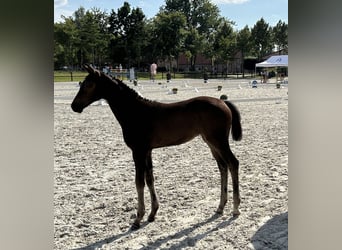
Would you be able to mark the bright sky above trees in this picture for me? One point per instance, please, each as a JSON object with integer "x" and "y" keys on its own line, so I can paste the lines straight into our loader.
{"x": 242, "y": 12}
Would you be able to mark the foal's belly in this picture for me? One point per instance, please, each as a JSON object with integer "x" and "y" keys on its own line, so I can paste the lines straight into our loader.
{"x": 171, "y": 141}
{"x": 173, "y": 134}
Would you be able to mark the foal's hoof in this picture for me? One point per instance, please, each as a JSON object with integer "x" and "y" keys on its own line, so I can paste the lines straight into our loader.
{"x": 150, "y": 218}
{"x": 135, "y": 226}
{"x": 236, "y": 213}
{"x": 219, "y": 211}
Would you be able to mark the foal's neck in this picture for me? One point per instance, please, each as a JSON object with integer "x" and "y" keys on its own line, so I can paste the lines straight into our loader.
{"x": 123, "y": 101}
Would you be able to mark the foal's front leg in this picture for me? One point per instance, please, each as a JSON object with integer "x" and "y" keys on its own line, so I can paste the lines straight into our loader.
{"x": 140, "y": 168}
{"x": 150, "y": 183}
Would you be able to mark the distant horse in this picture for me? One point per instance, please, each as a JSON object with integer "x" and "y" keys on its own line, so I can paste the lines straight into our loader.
{"x": 149, "y": 124}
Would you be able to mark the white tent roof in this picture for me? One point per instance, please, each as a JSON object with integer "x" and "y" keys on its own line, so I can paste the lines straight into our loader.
{"x": 274, "y": 61}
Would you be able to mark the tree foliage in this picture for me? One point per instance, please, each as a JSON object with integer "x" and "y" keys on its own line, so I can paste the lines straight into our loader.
{"x": 262, "y": 38}
{"x": 244, "y": 44}
{"x": 225, "y": 42}
{"x": 192, "y": 27}
{"x": 128, "y": 29}
{"x": 280, "y": 32}
{"x": 202, "y": 17}
{"x": 169, "y": 29}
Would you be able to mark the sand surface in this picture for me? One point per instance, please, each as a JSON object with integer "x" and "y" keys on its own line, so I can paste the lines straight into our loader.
{"x": 95, "y": 198}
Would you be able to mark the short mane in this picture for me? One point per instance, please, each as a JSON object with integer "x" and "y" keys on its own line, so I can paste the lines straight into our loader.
{"x": 128, "y": 89}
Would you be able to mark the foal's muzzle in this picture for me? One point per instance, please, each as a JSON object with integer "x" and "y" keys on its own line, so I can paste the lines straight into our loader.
{"x": 76, "y": 107}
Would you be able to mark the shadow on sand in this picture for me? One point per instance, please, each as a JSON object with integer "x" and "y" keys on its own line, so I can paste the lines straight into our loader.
{"x": 99, "y": 244}
{"x": 187, "y": 241}
{"x": 191, "y": 241}
{"x": 273, "y": 234}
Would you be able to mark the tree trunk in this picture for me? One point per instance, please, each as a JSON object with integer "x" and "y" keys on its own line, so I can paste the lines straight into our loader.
{"x": 243, "y": 64}
{"x": 170, "y": 63}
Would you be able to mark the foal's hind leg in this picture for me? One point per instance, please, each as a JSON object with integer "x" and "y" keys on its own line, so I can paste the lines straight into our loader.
{"x": 234, "y": 171}
{"x": 225, "y": 158}
{"x": 224, "y": 180}
{"x": 233, "y": 165}
{"x": 150, "y": 183}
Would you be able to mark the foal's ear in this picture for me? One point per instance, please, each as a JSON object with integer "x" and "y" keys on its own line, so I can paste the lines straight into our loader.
{"x": 91, "y": 69}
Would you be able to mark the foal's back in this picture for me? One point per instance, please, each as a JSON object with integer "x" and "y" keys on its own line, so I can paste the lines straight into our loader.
{"x": 179, "y": 122}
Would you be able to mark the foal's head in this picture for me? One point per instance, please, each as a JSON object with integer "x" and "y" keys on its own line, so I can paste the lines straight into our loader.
{"x": 90, "y": 90}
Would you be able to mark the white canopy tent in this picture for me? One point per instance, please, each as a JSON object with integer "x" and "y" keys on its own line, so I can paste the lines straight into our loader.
{"x": 274, "y": 61}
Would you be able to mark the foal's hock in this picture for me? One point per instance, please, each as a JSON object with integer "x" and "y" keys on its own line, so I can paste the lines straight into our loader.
{"x": 149, "y": 124}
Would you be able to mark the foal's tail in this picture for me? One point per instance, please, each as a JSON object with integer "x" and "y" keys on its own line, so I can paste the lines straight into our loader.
{"x": 236, "y": 122}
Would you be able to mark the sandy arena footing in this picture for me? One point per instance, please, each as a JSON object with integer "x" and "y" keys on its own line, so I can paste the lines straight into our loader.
{"x": 94, "y": 193}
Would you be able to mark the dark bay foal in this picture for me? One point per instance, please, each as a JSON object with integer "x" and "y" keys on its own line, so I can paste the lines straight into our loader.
{"x": 148, "y": 124}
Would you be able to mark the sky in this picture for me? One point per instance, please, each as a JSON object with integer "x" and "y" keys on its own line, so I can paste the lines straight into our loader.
{"x": 242, "y": 12}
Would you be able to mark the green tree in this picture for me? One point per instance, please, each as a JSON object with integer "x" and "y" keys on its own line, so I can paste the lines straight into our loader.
{"x": 193, "y": 45}
{"x": 202, "y": 18}
{"x": 280, "y": 33}
{"x": 225, "y": 43}
{"x": 93, "y": 40}
{"x": 60, "y": 41}
{"x": 169, "y": 28}
{"x": 182, "y": 6}
{"x": 262, "y": 38}
{"x": 102, "y": 36}
{"x": 209, "y": 50}
{"x": 65, "y": 34}
{"x": 150, "y": 50}
{"x": 244, "y": 45}
{"x": 128, "y": 27}
{"x": 205, "y": 17}
{"x": 83, "y": 37}
{"x": 137, "y": 38}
